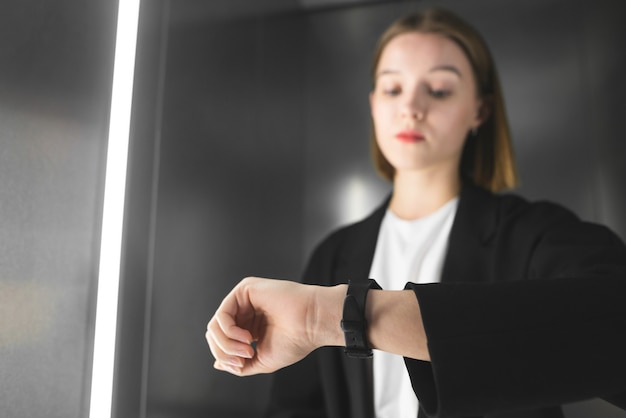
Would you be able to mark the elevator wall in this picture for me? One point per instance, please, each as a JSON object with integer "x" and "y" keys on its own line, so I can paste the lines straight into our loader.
{"x": 251, "y": 143}
{"x": 56, "y": 62}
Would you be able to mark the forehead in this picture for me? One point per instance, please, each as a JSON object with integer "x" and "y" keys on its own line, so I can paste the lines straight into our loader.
{"x": 415, "y": 51}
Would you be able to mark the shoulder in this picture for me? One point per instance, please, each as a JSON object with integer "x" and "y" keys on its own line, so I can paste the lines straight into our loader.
{"x": 540, "y": 213}
{"x": 513, "y": 213}
{"x": 511, "y": 205}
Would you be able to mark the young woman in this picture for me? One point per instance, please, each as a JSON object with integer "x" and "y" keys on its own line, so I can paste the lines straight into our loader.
{"x": 478, "y": 333}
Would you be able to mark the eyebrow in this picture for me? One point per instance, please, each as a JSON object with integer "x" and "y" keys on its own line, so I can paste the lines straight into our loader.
{"x": 450, "y": 68}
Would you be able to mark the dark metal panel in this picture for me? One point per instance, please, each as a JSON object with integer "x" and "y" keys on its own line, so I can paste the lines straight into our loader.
{"x": 341, "y": 183}
{"x": 140, "y": 212}
{"x": 229, "y": 199}
{"x": 201, "y": 11}
{"x": 600, "y": 39}
{"x": 56, "y": 61}
{"x": 539, "y": 61}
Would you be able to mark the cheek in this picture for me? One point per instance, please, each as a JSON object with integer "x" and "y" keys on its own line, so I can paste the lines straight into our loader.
{"x": 382, "y": 118}
{"x": 380, "y": 112}
{"x": 383, "y": 128}
{"x": 453, "y": 121}
{"x": 449, "y": 130}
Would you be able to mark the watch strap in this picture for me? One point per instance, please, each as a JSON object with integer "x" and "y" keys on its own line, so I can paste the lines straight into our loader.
{"x": 353, "y": 323}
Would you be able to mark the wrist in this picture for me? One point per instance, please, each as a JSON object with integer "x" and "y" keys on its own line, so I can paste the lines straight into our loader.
{"x": 328, "y": 313}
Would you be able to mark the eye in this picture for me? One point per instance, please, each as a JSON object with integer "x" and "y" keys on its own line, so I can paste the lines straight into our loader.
{"x": 392, "y": 91}
{"x": 439, "y": 93}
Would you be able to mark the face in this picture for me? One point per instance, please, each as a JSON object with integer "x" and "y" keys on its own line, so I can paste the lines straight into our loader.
{"x": 424, "y": 102}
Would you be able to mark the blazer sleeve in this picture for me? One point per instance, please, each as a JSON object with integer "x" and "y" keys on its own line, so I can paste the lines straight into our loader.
{"x": 514, "y": 345}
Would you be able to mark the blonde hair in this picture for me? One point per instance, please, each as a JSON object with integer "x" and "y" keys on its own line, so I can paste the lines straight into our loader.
{"x": 487, "y": 160}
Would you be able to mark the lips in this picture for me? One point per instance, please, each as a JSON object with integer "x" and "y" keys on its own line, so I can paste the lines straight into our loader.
{"x": 410, "y": 136}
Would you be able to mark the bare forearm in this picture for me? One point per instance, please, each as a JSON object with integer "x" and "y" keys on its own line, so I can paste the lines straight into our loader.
{"x": 395, "y": 323}
{"x": 393, "y": 317}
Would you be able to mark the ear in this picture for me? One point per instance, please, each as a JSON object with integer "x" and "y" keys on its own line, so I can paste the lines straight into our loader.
{"x": 372, "y": 103}
{"x": 485, "y": 107}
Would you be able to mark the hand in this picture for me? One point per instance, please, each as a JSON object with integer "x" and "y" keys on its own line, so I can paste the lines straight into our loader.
{"x": 287, "y": 320}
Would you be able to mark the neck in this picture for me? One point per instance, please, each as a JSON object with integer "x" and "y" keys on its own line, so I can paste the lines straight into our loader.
{"x": 418, "y": 194}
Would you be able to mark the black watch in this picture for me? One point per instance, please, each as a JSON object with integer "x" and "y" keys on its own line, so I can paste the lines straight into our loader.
{"x": 353, "y": 324}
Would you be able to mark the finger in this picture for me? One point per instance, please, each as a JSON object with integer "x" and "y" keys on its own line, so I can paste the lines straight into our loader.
{"x": 249, "y": 369}
{"x": 222, "y": 357}
{"x": 230, "y": 314}
{"x": 227, "y": 368}
{"x": 229, "y": 327}
{"x": 227, "y": 345}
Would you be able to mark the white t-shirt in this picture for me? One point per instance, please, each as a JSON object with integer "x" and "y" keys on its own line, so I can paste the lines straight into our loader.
{"x": 406, "y": 251}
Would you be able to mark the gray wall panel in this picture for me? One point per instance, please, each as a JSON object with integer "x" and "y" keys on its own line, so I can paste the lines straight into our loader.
{"x": 56, "y": 63}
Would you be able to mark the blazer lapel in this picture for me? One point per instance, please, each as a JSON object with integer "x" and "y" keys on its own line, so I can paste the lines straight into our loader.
{"x": 357, "y": 254}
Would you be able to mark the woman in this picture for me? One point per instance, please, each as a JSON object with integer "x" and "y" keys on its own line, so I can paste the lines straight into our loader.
{"x": 487, "y": 338}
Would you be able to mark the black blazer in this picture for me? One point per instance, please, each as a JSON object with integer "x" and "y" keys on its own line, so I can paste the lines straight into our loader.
{"x": 502, "y": 344}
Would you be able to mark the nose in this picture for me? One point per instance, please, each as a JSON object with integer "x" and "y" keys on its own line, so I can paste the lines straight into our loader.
{"x": 414, "y": 106}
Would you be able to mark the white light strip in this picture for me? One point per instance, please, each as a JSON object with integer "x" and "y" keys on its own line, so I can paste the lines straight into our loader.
{"x": 113, "y": 211}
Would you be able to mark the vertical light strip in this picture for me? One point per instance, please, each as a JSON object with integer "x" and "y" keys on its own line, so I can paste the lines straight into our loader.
{"x": 113, "y": 211}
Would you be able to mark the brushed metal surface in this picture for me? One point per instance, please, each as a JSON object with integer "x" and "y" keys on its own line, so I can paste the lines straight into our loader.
{"x": 56, "y": 61}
